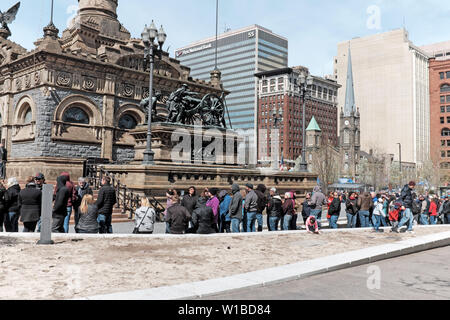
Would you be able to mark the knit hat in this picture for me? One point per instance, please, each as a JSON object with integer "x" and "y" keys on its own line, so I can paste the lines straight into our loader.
{"x": 249, "y": 185}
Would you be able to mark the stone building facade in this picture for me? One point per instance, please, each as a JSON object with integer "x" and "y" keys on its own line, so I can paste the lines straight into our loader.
{"x": 77, "y": 96}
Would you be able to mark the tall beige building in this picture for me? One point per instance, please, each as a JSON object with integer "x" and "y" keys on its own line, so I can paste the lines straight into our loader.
{"x": 391, "y": 82}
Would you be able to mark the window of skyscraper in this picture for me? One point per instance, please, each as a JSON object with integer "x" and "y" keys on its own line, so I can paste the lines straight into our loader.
{"x": 445, "y": 88}
{"x": 442, "y": 109}
{"x": 441, "y": 75}
{"x": 448, "y": 74}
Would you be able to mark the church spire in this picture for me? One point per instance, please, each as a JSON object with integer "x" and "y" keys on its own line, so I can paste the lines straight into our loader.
{"x": 350, "y": 106}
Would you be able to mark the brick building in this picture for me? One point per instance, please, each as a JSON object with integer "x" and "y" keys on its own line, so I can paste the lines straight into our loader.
{"x": 279, "y": 97}
{"x": 440, "y": 113}
{"x": 440, "y": 107}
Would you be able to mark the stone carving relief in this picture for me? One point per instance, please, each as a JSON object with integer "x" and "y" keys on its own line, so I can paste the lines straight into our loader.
{"x": 64, "y": 79}
{"x": 89, "y": 83}
{"x": 19, "y": 84}
{"x": 27, "y": 81}
{"x": 37, "y": 77}
{"x": 127, "y": 90}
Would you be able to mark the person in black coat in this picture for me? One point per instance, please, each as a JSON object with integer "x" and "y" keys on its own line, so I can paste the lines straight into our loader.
{"x": 190, "y": 200}
{"x": 335, "y": 211}
{"x": 203, "y": 218}
{"x": 105, "y": 204}
{"x": 3, "y": 212}
{"x": 12, "y": 206}
{"x": 60, "y": 205}
{"x": 3, "y": 160}
{"x": 30, "y": 200}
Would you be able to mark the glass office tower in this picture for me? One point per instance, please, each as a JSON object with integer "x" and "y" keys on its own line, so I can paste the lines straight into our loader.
{"x": 241, "y": 54}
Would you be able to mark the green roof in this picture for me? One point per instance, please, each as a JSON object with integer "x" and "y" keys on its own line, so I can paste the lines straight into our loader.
{"x": 313, "y": 125}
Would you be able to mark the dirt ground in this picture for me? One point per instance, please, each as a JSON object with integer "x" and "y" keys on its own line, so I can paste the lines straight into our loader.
{"x": 81, "y": 268}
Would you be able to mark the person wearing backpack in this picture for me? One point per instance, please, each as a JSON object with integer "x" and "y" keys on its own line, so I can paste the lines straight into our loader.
{"x": 262, "y": 205}
{"x": 424, "y": 210}
{"x": 352, "y": 211}
{"x": 407, "y": 206}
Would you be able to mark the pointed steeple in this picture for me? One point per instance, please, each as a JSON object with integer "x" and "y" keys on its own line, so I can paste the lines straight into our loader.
{"x": 350, "y": 106}
{"x": 313, "y": 125}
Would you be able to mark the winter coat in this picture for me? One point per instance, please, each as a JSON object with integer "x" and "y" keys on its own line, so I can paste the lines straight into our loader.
{"x": 189, "y": 202}
{"x": 72, "y": 190}
{"x": 12, "y": 199}
{"x": 351, "y": 207}
{"x": 306, "y": 210}
{"x": 81, "y": 192}
{"x": 365, "y": 202}
{"x": 318, "y": 200}
{"x": 406, "y": 197}
{"x": 30, "y": 200}
{"x": 275, "y": 207}
{"x": 203, "y": 219}
{"x": 61, "y": 198}
{"x": 88, "y": 221}
{"x": 289, "y": 207}
{"x": 146, "y": 224}
{"x": 251, "y": 202}
{"x": 236, "y": 203}
{"x": 262, "y": 201}
{"x": 335, "y": 207}
{"x": 106, "y": 200}
{"x": 433, "y": 209}
{"x": 178, "y": 218}
{"x": 214, "y": 204}
{"x": 378, "y": 210}
{"x": 2, "y": 200}
{"x": 224, "y": 208}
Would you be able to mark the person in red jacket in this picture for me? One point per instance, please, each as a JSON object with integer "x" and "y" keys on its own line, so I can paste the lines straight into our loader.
{"x": 394, "y": 214}
{"x": 433, "y": 211}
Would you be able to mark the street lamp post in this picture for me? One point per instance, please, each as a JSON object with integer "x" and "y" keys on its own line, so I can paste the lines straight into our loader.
{"x": 151, "y": 49}
{"x": 304, "y": 83}
{"x": 277, "y": 118}
{"x": 400, "y": 159}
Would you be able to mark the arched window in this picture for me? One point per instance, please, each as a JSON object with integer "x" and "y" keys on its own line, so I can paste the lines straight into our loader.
{"x": 445, "y": 132}
{"x": 76, "y": 115}
{"x": 127, "y": 122}
{"x": 445, "y": 88}
{"x": 346, "y": 137}
{"x": 28, "y": 116}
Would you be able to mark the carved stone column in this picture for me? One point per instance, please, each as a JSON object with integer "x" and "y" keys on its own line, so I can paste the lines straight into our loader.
{"x": 108, "y": 118}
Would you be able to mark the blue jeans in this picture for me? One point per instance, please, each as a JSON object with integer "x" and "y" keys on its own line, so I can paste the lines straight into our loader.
{"x": 333, "y": 222}
{"x": 407, "y": 217}
{"x": 351, "y": 220}
{"x": 259, "y": 218}
{"x": 67, "y": 219}
{"x": 273, "y": 223}
{"x": 317, "y": 213}
{"x": 251, "y": 221}
{"x": 377, "y": 222}
{"x": 12, "y": 222}
{"x": 448, "y": 218}
{"x": 433, "y": 220}
{"x": 424, "y": 219}
{"x": 383, "y": 221}
{"x": 235, "y": 225}
{"x": 287, "y": 222}
{"x": 105, "y": 223}
{"x": 364, "y": 219}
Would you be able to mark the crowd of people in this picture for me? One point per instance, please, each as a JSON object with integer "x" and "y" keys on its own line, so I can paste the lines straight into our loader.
{"x": 217, "y": 211}
{"x": 24, "y": 205}
{"x": 237, "y": 210}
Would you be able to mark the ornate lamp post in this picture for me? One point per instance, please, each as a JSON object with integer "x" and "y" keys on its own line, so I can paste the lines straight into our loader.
{"x": 304, "y": 83}
{"x": 277, "y": 118}
{"x": 151, "y": 49}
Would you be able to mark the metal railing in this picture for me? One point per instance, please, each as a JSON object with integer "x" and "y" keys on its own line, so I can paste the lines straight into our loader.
{"x": 127, "y": 200}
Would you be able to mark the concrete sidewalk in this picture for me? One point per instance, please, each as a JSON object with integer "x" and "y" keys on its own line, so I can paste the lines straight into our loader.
{"x": 286, "y": 273}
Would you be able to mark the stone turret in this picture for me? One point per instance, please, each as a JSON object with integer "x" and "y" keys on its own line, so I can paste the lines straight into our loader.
{"x": 106, "y": 8}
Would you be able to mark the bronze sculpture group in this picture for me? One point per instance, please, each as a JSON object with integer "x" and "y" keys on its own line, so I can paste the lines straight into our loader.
{"x": 185, "y": 107}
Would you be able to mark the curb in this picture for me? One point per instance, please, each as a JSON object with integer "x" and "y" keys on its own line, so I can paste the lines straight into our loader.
{"x": 301, "y": 270}
{"x": 69, "y": 236}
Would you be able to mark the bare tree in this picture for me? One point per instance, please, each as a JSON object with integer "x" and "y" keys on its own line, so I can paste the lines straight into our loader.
{"x": 325, "y": 163}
